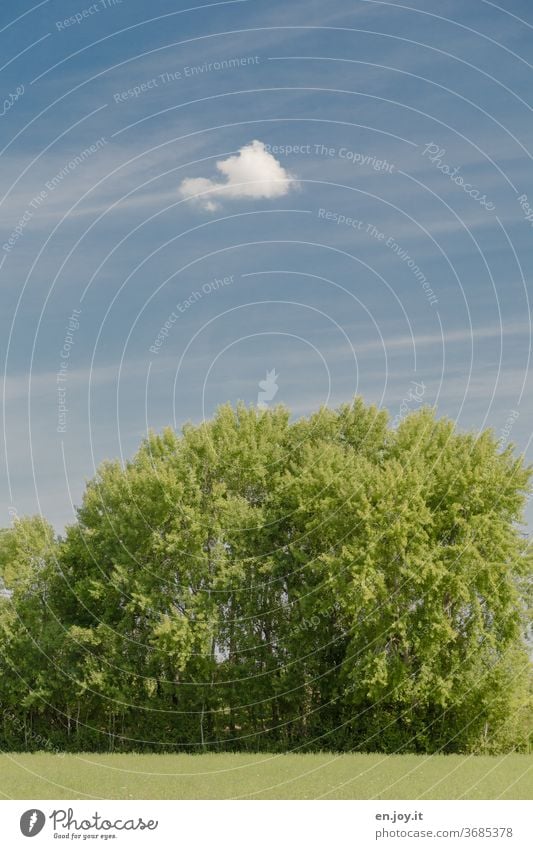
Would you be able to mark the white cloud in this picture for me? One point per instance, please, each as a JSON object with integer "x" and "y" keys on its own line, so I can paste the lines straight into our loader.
{"x": 252, "y": 173}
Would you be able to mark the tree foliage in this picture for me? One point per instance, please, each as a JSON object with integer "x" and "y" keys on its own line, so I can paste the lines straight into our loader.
{"x": 261, "y": 583}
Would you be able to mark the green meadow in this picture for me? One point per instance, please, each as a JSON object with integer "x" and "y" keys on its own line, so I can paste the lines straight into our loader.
{"x": 265, "y": 776}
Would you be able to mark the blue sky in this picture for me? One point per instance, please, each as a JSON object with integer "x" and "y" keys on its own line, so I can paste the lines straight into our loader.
{"x": 311, "y": 253}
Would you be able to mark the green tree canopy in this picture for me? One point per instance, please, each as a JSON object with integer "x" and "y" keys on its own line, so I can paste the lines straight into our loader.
{"x": 261, "y": 583}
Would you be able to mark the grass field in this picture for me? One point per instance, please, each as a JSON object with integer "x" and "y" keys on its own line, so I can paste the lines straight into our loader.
{"x": 212, "y": 776}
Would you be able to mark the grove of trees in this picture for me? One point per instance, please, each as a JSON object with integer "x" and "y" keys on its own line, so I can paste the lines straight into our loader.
{"x": 259, "y": 583}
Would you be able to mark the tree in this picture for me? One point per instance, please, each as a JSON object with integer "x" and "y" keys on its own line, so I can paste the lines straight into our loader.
{"x": 28, "y": 632}
{"x": 261, "y": 583}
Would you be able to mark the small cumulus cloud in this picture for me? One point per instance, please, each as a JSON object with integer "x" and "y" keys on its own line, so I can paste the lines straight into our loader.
{"x": 252, "y": 173}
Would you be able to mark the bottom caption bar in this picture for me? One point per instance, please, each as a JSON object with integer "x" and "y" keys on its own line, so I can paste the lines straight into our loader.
{"x": 278, "y": 824}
